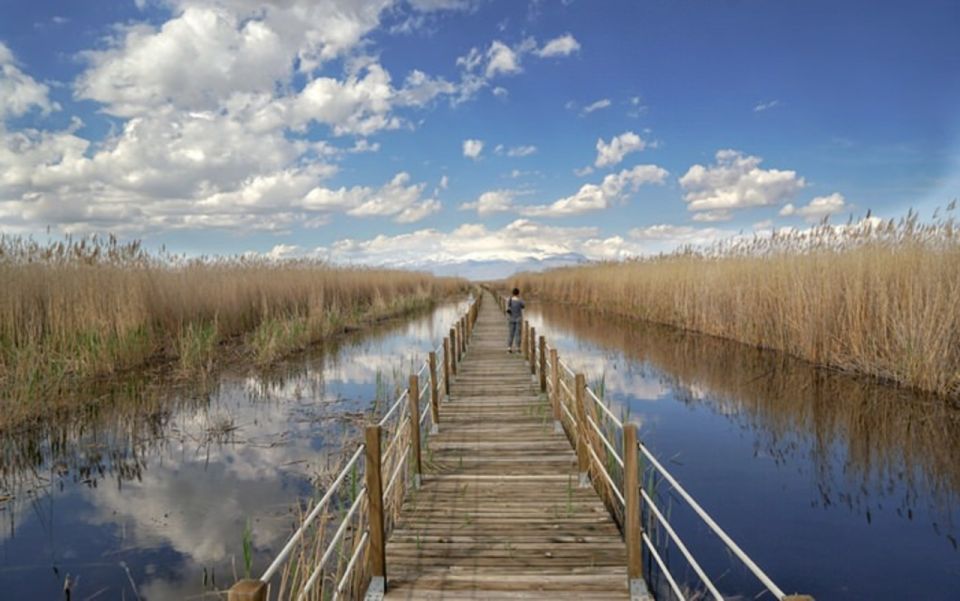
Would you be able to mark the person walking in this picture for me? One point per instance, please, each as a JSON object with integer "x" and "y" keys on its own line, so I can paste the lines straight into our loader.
{"x": 514, "y": 311}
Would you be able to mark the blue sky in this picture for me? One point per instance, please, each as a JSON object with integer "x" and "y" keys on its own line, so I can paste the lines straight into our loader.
{"x": 449, "y": 134}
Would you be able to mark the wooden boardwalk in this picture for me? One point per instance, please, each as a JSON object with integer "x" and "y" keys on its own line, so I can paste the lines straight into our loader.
{"x": 500, "y": 514}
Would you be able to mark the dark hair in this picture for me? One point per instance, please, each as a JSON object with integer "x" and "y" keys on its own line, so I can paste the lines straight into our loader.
{"x": 516, "y": 291}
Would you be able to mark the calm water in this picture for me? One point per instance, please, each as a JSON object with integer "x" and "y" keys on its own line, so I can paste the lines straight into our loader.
{"x": 148, "y": 496}
{"x": 838, "y": 487}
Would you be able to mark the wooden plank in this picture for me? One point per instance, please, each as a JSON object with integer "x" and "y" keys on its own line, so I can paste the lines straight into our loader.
{"x": 499, "y": 514}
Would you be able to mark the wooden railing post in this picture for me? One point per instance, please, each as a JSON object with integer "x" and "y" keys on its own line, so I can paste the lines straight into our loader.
{"x": 555, "y": 398}
{"x": 459, "y": 341}
{"x": 583, "y": 459}
{"x": 248, "y": 590}
{"x": 434, "y": 395}
{"x": 543, "y": 364}
{"x": 533, "y": 351}
{"x": 414, "y": 399}
{"x": 632, "y": 530}
{"x": 446, "y": 367}
{"x": 524, "y": 330}
{"x": 453, "y": 351}
{"x": 377, "y": 555}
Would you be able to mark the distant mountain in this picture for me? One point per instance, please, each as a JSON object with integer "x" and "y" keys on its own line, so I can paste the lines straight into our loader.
{"x": 500, "y": 269}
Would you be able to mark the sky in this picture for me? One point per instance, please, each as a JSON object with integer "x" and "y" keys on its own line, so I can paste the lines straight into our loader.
{"x": 471, "y": 137}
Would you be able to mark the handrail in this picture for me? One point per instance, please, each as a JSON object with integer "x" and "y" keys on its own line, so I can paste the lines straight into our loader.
{"x": 426, "y": 380}
{"x": 603, "y": 406}
{"x": 773, "y": 588}
{"x": 565, "y": 393}
{"x": 663, "y": 566}
{"x": 331, "y": 546}
{"x": 386, "y": 416}
{"x": 683, "y": 548}
{"x": 278, "y": 561}
{"x": 353, "y": 560}
{"x": 605, "y": 442}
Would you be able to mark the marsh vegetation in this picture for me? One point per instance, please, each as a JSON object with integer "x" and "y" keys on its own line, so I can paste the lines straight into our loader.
{"x": 876, "y": 297}
{"x": 79, "y": 309}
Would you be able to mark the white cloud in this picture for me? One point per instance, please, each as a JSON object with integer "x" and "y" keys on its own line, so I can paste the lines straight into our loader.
{"x": 736, "y": 181}
{"x": 518, "y": 241}
{"x": 609, "y": 154}
{"x": 20, "y": 93}
{"x": 564, "y": 45}
{"x": 592, "y": 197}
{"x": 521, "y": 151}
{"x": 596, "y": 106}
{"x": 500, "y": 92}
{"x": 472, "y": 148}
{"x": 583, "y": 171}
{"x": 764, "y": 106}
{"x": 494, "y": 201}
{"x": 818, "y": 208}
{"x": 501, "y": 59}
{"x": 712, "y": 216}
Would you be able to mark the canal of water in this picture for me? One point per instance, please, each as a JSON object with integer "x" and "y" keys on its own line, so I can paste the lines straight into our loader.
{"x": 837, "y": 486}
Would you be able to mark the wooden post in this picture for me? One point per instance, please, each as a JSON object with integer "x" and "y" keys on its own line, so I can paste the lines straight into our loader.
{"x": 463, "y": 332}
{"x": 583, "y": 459}
{"x": 632, "y": 529}
{"x": 377, "y": 555}
{"x": 543, "y": 364}
{"x": 453, "y": 351}
{"x": 555, "y": 384}
{"x": 434, "y": 395}
{"x": 533, "y": 351}
{"x": 524, "y": 330}
{"x": 446, "y": 367}
{"x": 248, "y": 590}
{"x": 414, "y": 398}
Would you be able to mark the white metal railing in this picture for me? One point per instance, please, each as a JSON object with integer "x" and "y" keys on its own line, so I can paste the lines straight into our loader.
{"x": 565, "y": 397}
{"x": 399, "y": 456}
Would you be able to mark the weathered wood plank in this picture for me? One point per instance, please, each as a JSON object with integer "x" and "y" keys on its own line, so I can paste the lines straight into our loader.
{"x": 500, "y": 514}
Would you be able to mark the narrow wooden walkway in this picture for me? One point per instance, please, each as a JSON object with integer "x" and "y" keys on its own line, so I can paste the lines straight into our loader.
{"x": 500, "y": 514}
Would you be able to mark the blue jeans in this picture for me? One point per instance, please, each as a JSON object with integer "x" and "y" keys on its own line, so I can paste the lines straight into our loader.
{"x": 514, "y": 333}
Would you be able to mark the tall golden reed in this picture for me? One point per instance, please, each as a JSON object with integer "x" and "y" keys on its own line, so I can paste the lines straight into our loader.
{"x": 81, "y": 308}
{"x": 879, "y": 298}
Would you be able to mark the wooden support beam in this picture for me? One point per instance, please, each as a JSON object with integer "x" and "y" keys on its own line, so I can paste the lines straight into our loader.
{"x": 543, "y": 364}
{"x": 583, "y": 458}
{"x": 533, "y": 350}
{"x": 247, "y": 590}
{"x": 524, "y": 331}
{"x": 453, "y": 351}
{"x": 555, "y": 399}
{"x": 434, "y": 395}
{"x": 446, "y": 367}
{"x": 632, "y": 529}
{"x": 414, "y": 398}
{"x": 376, "y": 554}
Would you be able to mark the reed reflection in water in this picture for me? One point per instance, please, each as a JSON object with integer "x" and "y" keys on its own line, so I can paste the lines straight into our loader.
{"x": 147, "y": 492}
{"x": 829, "y": 480}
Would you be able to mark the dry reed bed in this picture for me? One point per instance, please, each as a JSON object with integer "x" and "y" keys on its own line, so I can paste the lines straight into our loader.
{"x": 879, "y": 298}
{"x": 78, "y": 309}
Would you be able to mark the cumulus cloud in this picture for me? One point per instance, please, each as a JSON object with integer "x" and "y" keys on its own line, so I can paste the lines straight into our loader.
{"x": 480, "y": 66}
{"x": 20, "y": 93}
{"x": 494, "y": 201}
{"x": 518, "y": 241}
{"x": 564, "y": 45}
{"x": 593, "y": 197}
{"x": 818, "y": 208}
{"x": 472, "y": 148}
{"x": 736, "y": 181}
{"x": 611, "y": 153}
